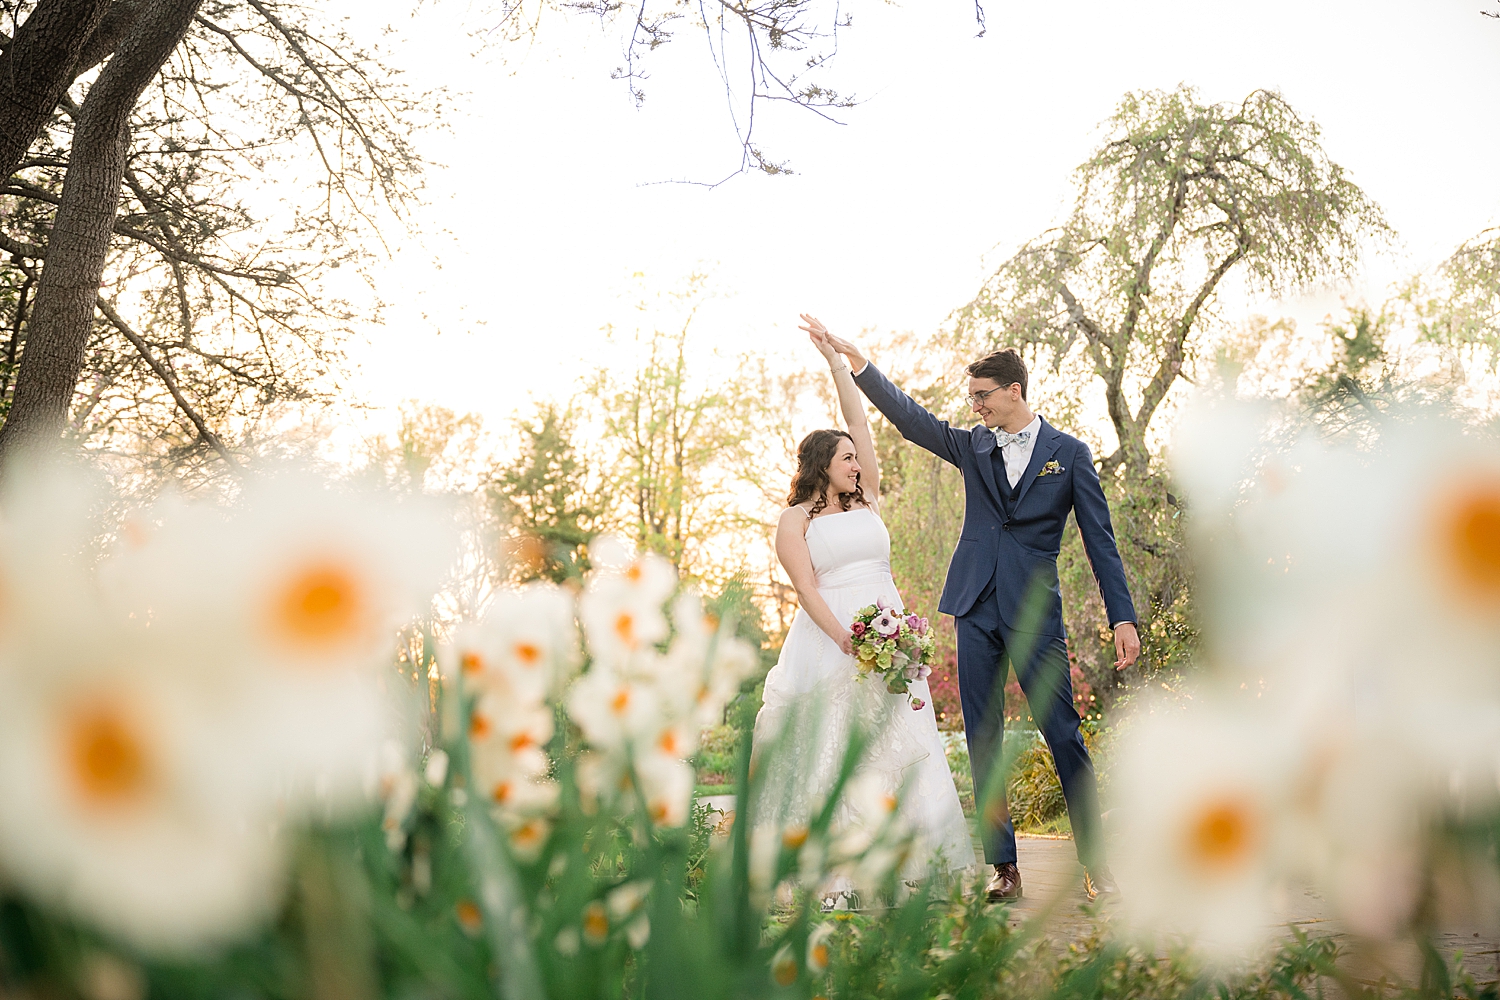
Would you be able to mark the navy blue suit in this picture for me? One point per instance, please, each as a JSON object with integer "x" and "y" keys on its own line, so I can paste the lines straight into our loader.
{"x": 1003, "y": 593}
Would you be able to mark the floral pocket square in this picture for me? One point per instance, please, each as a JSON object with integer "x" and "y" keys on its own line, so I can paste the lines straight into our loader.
{"x": 1052, "y": 468}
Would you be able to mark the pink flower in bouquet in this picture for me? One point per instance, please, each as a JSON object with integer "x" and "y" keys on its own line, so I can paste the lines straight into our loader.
{"x": 887, "y": 624}
{"x": 917, "y": 704}
{"x": 880, "y": 603}
{"x": 914, "y": 623}
{"x": 912, "y": 672}
{"x": 858, "y": 628}
{"x": 923, "y": 629}
{"x": 923, "y": 672}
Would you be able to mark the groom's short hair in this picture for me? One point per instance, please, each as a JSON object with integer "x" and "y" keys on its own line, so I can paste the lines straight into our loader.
{"x": 1004, "y": 367}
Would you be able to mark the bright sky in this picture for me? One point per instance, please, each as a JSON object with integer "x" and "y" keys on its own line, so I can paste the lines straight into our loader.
{"x": 962, "y": 149}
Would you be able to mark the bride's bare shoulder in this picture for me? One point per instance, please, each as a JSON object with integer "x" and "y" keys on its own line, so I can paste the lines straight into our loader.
{"x": 796, "y": 517}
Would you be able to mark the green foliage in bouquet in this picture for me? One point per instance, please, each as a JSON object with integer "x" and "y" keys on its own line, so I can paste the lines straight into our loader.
{"x": 894, "y": 645}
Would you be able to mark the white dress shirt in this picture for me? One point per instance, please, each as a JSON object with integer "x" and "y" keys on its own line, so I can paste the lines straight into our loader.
{"x": 1018, "y": 456}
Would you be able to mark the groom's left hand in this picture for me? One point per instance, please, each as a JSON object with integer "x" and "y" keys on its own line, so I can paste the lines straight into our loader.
{"x": 1127, "y": 645}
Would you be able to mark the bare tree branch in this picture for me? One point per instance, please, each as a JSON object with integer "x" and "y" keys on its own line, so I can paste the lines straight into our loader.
{"x": 165, "y": 374}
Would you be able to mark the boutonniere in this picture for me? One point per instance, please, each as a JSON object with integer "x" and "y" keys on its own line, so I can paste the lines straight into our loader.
{"x": 1052, "y": 468}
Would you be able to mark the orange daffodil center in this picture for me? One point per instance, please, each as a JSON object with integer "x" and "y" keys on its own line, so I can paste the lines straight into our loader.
{"x": 1222, "y": 835}
{"x": 595, "y": 923}
{"x": 670, "y": 743}
{"x": 1468, "y": 541}
{"x": 625, "y": 629}
{"x": 620, "y": 703}
{"x": 320, "y": 605}
{"x": 106, "y": 756}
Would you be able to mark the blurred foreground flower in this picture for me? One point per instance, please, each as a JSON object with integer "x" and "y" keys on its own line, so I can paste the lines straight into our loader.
{"x": 1202, "y": 825}
{"x": 1351, "y": 706}
{"x": 211, "y": 682}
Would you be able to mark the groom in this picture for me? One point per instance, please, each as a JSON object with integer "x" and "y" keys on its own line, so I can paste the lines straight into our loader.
{"x": 1021, "y": 478}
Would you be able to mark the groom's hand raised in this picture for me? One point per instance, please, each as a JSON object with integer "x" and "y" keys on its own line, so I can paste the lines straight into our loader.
{"x": 1127, "y": 645}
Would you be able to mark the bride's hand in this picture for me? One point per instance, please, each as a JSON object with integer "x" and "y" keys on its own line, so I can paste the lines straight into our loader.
{"x": 841, "y": 345}
{"x": 819, "y": 335}
{"x": 847, "y": 643}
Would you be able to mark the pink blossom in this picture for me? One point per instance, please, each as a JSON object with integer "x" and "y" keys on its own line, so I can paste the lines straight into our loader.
{"x": 923, "y": 629}
{"x": 913, "y": 622}
{"x": 917, "y": 704}
{"x": 887, "y": 624}
{"x": 858, "y": 628}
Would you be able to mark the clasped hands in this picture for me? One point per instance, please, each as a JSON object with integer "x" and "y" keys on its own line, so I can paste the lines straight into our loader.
{"x": 831, "y": 346}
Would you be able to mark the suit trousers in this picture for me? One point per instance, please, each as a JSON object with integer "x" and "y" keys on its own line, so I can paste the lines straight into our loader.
{"x": 986, "y": 647}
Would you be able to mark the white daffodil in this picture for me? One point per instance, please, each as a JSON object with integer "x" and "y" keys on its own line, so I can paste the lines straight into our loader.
{"x": 621, "y": 610}
{"x": 705, "y": 665}
{"x": 1369, "y": 840}
{"x": 506, "y": 743}
{"x": 509, "y": 727}
{"x": 1197, "y": 851}
{"x": 869, "y": 806}
{"x": 626, "y": 900}
{"x": 542, "y": 650}
{"x": 526, "y": 645}
{"x": 765, "y": 851}
{"x": 300, "y": 590}
{"x": 666, "y": 788}
{"x": 518, "y": 796}
{"x": 613, "y": 709}
{"x": 123, "y": 798}
{"x": 677, "y": 740}
{"x": 818, "y": 954}
{"x": 603, "y": 779}
{"x": 527, "y": 835}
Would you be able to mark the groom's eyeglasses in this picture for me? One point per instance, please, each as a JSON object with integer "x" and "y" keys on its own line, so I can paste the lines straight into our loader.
{"x": 975, "y": 398}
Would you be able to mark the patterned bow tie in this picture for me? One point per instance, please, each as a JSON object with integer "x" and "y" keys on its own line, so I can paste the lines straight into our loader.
{"x": 1003, "y": 438}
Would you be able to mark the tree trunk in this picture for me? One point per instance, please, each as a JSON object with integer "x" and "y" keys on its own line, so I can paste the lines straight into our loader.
{"x": 63, "y": 314}
{"x": 37, "y": 69}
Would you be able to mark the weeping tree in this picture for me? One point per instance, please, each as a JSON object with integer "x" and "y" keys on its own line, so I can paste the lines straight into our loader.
{"x": 1458, "y": 308}
{"x": 1180, "y": 200}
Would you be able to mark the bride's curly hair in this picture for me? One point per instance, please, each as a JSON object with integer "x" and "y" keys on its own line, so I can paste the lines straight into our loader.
{"x": 810, "y": 481}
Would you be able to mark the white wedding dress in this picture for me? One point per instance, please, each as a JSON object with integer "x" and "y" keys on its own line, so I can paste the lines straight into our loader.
{"x": 813, "y": 688}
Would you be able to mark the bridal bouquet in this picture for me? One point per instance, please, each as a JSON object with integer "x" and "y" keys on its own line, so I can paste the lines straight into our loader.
{"x": 894, "y": 645}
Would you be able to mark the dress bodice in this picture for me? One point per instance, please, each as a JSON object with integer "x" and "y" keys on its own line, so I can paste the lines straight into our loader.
{"x": 849, "y": 548}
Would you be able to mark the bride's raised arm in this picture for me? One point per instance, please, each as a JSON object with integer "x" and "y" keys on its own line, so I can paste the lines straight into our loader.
{"x": 852, "y": 404}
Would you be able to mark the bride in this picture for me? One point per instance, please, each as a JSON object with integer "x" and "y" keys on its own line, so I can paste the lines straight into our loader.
{"x": 835, "y": 548}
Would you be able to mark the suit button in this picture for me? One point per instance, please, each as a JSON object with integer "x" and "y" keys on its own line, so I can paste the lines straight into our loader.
{"x": 1006, "y": 525}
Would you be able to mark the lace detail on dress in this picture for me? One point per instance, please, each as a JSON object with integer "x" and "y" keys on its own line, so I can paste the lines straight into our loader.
{"x": 813, "y": 689}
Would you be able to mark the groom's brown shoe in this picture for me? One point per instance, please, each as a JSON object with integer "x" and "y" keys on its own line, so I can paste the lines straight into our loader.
{"x": 1100, "y": 882}
{"x": 1005, "y": 884}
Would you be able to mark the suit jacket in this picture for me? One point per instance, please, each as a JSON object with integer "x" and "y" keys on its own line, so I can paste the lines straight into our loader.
{"x": 1012, "y": 536}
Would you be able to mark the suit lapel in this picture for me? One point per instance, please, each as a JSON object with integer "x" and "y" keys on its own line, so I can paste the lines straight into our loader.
{"x": 984, "y": 447}
{"x": 1048, "y": 441}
